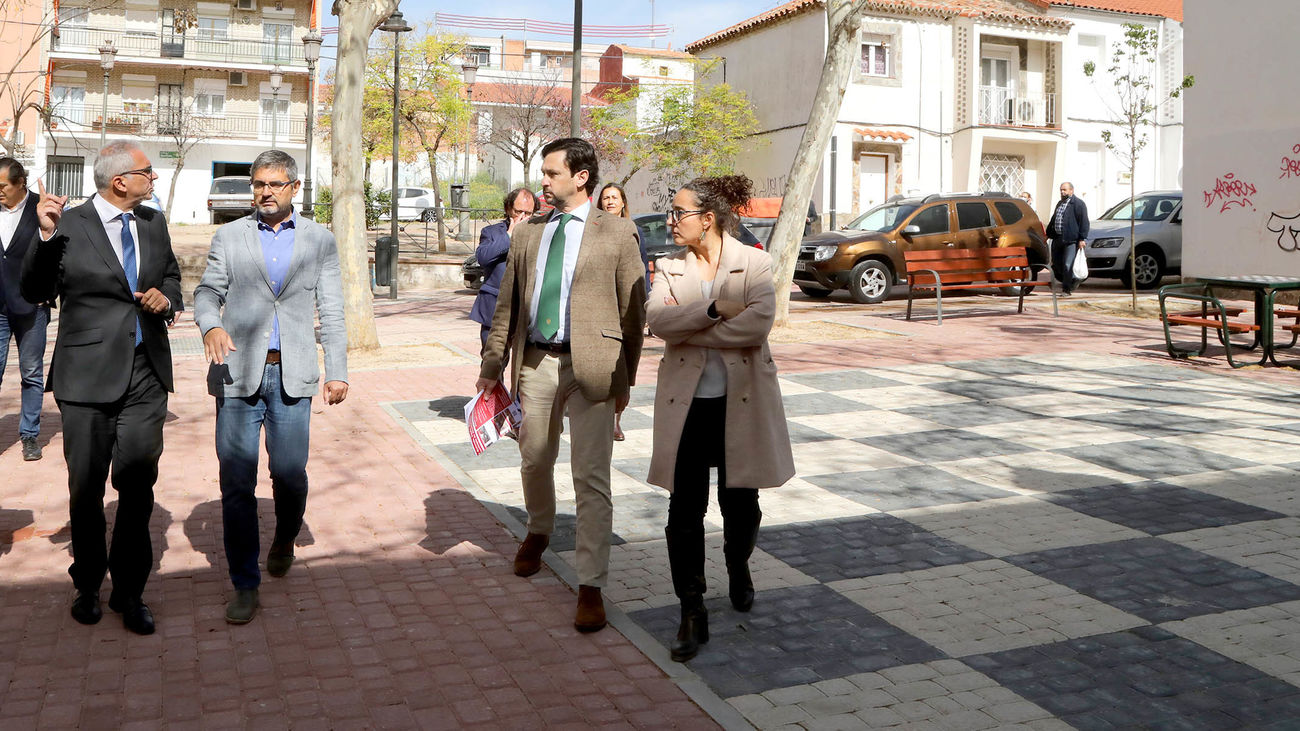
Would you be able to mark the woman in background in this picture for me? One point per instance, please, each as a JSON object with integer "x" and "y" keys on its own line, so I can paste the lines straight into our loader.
{"x": 718, "y": 402}
{"x": 613, "y": 199}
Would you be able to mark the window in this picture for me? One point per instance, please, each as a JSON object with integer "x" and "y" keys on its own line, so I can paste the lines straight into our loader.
{"x": 68, "y": 103}
{"x": 553, "y": 61}
{"x": 212, "y": 29}
{"x": 210, "y": 103}
{"x": 280, "y": 117}
{"x": 478, "y": 55}
{"x": 663, "y": 70}
{"x": 64, "y": 175}
{"x": 973, "y": 215}
{"x": 276, "y": 42}
{"x": 1009, "y": 211}
{"x": 1091, "y": 49}
{"x": 933, "y": 220}
{"x": 72, "y": 16}
{"x": 875, "y": 56}
{"x": 170, "y": 99}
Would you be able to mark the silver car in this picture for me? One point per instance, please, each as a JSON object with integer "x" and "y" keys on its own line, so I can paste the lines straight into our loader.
{"x": 1158, "y": 226}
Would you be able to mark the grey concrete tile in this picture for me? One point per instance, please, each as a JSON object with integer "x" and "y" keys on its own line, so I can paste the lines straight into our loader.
{"x": 905, "y": 487}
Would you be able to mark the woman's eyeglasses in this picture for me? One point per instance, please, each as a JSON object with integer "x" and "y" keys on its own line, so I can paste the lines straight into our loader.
{"x": 678, "y": 214}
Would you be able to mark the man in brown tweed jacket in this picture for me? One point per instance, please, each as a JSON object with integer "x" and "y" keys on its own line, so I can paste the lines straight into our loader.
{"x": 572, "y": 311}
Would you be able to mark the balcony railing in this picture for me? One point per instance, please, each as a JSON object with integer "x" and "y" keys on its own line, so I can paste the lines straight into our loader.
{"x": 163, "y": 121}
{"x": 189, "y": 46}
{"x": 998, "y": 105}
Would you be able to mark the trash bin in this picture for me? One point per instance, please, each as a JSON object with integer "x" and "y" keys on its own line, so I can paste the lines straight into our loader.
{"x": 385, "y": 253}
{"x": 459, "y": 195}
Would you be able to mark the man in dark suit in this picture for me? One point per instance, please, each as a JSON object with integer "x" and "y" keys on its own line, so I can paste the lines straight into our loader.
{"x": 493, "y": 245}
{"x": 110, "y": 263}
{"x": 1068, "y": 232}
{"x": 23, "y": 321}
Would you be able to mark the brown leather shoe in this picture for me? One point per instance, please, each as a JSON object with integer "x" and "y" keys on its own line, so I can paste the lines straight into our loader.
{"x": 591, "y": 610}
{"x": 528, "y": 560}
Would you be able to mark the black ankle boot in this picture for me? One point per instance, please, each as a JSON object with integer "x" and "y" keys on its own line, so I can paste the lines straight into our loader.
{"x": 739, "y": 536}
{"x": 693, "y": 632}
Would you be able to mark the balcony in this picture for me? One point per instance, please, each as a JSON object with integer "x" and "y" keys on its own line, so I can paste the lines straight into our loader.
{"x": 144, "y": 120}
{"x": 236, "y": 51}
{"x": 1000, "y": 106}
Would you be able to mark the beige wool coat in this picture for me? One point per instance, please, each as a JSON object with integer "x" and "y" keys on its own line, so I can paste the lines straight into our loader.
{"x": 757, "y": 443}
{"x": 606, "y": 306}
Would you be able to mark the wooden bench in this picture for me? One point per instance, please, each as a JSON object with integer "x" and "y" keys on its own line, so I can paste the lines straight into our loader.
{"x": 1211, "y": 314}
{"x": 947, "y": 270}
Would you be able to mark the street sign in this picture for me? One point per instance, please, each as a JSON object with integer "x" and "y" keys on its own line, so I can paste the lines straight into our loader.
{"x": 169, "y": 154}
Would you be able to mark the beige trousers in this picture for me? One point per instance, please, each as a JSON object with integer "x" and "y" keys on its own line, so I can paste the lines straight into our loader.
{"x": 546, "y": 391}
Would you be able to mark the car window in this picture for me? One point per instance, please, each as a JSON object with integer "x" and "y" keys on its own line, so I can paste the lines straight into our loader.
{"x": 653, "y": 229}
{"x": 884, "y": 218}
{"x": 745, "y": 236}
{"x": 231, "y": 187}
{"x": 933, "y": 220}
{"x": 1144, "y": 208}
{"x": 973, "y": 215}
{"x": 1009, "y": 211}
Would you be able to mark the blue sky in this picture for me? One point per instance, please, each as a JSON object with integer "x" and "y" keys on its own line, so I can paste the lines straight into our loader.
{"x": 691, "y": 19}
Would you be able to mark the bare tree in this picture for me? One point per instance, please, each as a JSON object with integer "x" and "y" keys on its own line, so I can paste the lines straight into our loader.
{"x": 357, "y": 20}
{"x": 524, "y": 116}
{"x": 184, "y": 128}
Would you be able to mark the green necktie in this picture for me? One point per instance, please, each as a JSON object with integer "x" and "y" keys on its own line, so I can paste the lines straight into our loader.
{"x": 548, "y": 305}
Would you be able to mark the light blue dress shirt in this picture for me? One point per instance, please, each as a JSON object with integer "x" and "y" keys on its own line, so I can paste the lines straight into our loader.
{"x": 277, "y": 250}
{"x": 572, "y": 243}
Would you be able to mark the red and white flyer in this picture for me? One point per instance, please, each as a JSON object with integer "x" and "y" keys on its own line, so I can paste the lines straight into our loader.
{"x": 490, "y": 416}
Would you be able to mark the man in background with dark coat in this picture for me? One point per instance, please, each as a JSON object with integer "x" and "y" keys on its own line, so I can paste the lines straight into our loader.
{"x": 493, "y": 245}
{"x": 21, "y": 320}
{"x": 1068, "y": 232}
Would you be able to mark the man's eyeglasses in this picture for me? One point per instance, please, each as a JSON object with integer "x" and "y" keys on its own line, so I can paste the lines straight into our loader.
{"x": 678, "y": 214}
{"x": 275, "y": 185}
{"x": 147, "y": 172}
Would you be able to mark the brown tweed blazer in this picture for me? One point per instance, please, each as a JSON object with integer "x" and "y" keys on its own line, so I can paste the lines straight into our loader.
{"x": 606, "y": 305}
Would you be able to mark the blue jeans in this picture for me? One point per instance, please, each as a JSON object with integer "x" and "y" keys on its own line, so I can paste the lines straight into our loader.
{"x": 239, "y": 423}
{"x": 29, "y": 331}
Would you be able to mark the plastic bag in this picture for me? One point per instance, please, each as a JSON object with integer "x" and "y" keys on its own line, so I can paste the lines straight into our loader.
{"x": 1080, "y": 267}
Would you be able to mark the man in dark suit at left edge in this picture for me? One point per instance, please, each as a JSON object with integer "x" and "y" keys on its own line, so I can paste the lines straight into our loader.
{"x": 110, "y": 263}
{"x": 25, "y": 322}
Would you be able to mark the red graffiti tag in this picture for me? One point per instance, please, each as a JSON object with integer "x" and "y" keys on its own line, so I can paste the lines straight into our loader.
{"x": 1231, "y": 192}
{"x": 1291, "y": 166}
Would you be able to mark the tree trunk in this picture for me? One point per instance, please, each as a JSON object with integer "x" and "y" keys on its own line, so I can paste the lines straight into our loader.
{"x": 171, "y": 189}
{"x": 357, "y": 18}
{"x": 842, "y": 20}
{"x": 1132, "y": 224}
{"x": 437, "y": 197}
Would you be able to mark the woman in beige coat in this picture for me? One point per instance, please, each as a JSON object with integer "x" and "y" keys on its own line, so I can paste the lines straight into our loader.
{"x": 718, "y": 403}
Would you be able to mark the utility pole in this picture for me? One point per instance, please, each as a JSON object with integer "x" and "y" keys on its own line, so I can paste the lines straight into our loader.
{"x": 575, "y": 114}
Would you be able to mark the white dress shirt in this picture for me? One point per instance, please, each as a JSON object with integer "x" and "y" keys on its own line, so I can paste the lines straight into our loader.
{"x": 9, "y": 218}
{"x": 111, "y": 216}
{"x": 572, "y": 243}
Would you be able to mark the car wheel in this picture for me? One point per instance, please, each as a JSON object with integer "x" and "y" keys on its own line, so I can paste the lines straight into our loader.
{"x": 869, "y": 282}
{"x": 428, "y": 215}
{"x": 815, "y": 292}
{"x": 1150, "y": 266}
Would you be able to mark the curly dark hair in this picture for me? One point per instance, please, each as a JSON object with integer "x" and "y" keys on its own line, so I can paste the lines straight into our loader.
{"x": 721, "y": 195}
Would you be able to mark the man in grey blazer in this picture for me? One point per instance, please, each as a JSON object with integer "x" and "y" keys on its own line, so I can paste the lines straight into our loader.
{"x": 269, "y": 274}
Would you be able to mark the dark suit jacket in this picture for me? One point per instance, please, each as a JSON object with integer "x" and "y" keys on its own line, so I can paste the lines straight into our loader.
{"x": 493, "y": 245}
{"x": 11, "y": 263}
{"x": 96, "y": 341}
{"x": 1074, "y": 225}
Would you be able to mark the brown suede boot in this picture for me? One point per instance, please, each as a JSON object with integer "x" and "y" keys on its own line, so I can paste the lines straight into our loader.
{"x": 528, "y": 560}
{"x": 591, "y": 610}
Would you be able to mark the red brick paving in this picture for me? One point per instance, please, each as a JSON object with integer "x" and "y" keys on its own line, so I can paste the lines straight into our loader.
{"x": 402, "y": 610}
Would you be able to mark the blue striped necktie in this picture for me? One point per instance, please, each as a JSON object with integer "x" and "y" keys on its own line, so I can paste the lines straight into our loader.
{"x": 128, "y": 264}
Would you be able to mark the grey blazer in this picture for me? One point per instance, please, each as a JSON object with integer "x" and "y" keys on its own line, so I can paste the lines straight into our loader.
{"x": 235, "y": 294}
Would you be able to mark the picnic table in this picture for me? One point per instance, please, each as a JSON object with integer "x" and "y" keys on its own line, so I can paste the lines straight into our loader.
{"x": 1214, "y": 315}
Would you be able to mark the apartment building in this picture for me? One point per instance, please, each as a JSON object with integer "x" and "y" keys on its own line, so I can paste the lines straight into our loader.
{"x": 224, "y": 80}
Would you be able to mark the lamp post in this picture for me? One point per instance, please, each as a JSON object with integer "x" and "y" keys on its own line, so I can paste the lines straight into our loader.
{"x": 395, "y": 25}
{"x": 107, "y": 54}
{"x": 277, "y": 77}
{"x": 311, "y": 51}
{"x": 469, "y": 71}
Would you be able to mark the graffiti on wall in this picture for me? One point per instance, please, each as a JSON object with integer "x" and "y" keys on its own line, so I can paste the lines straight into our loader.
{"x": 769, "y": 187}
{"x": 1291, "y": 165}
{"x": 1287, "y": 229}
{"x": 1229, "y": 191}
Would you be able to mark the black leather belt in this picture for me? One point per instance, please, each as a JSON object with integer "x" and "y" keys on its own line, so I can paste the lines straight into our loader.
{"x": 557, "y": 348}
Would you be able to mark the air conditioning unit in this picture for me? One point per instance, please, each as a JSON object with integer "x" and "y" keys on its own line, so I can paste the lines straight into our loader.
{"x": 245, "y": 5}
{"x": 238, "y": 78}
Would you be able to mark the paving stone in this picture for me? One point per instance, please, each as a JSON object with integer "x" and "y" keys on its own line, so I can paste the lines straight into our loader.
{"x": 1156, "y": 459}
{"x": 905, "y": 487}
{"x": 1006, "y": 526}
{"x": 943, "y": 445}
{"x": 1157, "y": 508}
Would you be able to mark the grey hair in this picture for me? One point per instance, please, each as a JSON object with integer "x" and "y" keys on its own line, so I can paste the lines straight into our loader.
{"x": 114, "y": 159}
{"x": 278, "y": 160}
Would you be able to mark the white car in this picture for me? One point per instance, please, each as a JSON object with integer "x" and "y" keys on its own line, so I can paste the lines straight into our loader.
{"x": 412, "y": 203}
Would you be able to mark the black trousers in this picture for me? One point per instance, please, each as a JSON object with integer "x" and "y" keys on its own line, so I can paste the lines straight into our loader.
{"x": 1063, "y": 253}
{"x": 126, "y": 437}
{"x": 701, "y": 447}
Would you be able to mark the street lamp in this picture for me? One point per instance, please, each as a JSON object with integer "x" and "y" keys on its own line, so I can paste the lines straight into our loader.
{"x": 469, "y": 71}
{"x": 311, "y": 51}
{"x": 395, "y": 25}
{"x": 277, "y": 76}
{"x": 107, "y": 55}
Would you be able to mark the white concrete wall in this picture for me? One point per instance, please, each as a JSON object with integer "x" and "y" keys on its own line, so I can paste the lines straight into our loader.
{"x": 1242, "y": 177}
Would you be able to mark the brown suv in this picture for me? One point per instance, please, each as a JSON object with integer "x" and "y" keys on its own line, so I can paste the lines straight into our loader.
{"x": 867, "y": 255}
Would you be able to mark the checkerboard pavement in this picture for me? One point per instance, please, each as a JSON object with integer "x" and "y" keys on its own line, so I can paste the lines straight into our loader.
{"x": 1045, "y": 541}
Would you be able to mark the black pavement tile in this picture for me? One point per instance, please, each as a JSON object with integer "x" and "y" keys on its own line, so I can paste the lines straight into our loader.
{"x": 943, "y": 445}
{"x": 841, "y": 380}
{"x": 1156, "y": 580}
{"x": 1157, "y": 508}
{"x": 906, "y": 487}
{"x": 1007, "y": 367}
{"x": 504, "y": 453}
{"x": 971, "y": 413}
{"x": 850, "y": 548}
{"x": 793, "y": 636}
{"x": 987, "y": 389}
{"x": 816, "y": 404}
{"x": 1155, "y": 459}
{"x": 802, "y": 433}
{"x": 638, "y": 469}
{"x": 1128, "y": 680}
{"x": 1153, "y": 422}
{"x": 447, "y": 407}
{"x": 1157, "y": 394}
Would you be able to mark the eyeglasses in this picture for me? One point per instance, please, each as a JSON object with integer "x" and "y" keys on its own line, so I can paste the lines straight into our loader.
{"x": 275, "y": 185}
{"x": 147, "y": 172}
{"x": 678, "y": 214}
